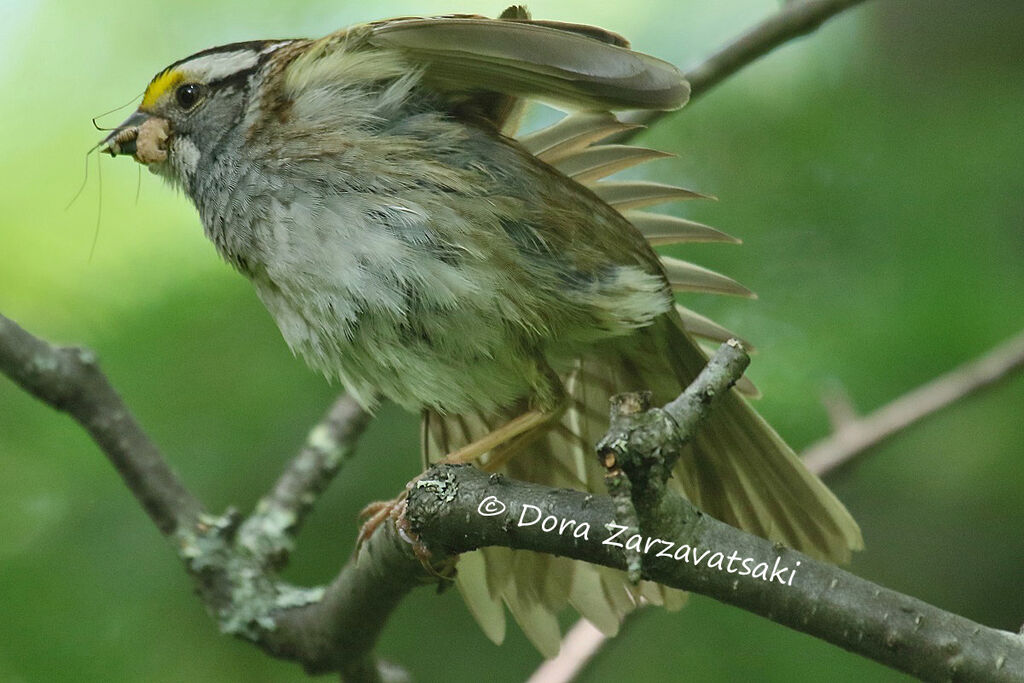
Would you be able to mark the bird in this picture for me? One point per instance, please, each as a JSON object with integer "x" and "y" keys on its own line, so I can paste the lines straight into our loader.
{"x": 373, "y": 187}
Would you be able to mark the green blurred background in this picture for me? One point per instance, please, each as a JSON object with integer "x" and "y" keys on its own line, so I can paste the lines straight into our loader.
{"x": 873, "y": 170}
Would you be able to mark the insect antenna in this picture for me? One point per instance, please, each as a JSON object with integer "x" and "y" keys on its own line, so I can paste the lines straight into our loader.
{"x": 99, "y": 207}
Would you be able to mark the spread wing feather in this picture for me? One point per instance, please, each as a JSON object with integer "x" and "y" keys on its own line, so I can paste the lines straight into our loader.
{"x": 689, "y": 277}
{"x": 573, "y": 133}
{"x": 559, "y": 63}
{"x": 661, "y": 229}
{"x": 598, "y": 161}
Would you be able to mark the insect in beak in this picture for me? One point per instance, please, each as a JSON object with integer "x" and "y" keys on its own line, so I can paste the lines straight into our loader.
{"x": 122, "y": 139}
{"x": 142, "y": 136}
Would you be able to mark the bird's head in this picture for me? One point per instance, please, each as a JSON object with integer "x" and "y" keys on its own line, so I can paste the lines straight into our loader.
{"x": 191, "y": 109}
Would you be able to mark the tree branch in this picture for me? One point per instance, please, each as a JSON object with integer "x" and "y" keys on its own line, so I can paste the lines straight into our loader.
{"x": 69, "y": 380}
{"x": 854, "y": 436}
{"x": 334, "y": 628}
{"x": 851, "y": 438}
{"x": 795, "y": 19}
{"x": 687, "y": 549}
{"x": 234, "y": 564}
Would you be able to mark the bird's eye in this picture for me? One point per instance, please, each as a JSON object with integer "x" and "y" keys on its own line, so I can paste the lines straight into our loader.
{"x": 188, "y": 95}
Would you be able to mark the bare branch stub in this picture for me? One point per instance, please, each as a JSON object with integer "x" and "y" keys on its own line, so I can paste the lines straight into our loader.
{"x": 855, "y": 435}
{"x": 643, "y": 443}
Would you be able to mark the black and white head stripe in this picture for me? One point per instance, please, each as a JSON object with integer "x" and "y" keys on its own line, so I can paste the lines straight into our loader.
{"x": 217, "y": 66}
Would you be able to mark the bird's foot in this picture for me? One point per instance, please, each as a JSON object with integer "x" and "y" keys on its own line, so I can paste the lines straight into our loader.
{"x": 379, "y": 512}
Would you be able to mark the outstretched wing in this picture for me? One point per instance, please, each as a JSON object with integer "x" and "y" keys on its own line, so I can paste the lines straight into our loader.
{"x": 559, "y": 63}
{"x": 470, "y": 58}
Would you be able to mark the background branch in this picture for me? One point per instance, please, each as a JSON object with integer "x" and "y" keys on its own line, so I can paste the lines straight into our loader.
{"x": 795, "y": 19}
{"x": 854, "y": 436}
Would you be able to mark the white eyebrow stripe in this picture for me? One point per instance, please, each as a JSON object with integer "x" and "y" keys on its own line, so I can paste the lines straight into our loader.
{"x": 221, "y": 65}
{"x": 271, "y": 48}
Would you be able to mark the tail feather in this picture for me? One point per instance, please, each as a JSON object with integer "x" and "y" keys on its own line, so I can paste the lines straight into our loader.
{"x": 742, "y": 472}
{"x": 737, "y": 470}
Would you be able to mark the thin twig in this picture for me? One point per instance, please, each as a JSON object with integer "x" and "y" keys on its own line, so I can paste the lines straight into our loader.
{"x": 856, "y": 436}
{"x": 795, "y": 19}
{"x": 579, "y": 646}
{"x": 279, "y": 515}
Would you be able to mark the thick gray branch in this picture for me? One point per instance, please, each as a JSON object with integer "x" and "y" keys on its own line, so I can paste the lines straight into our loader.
{"x": 689, "y": 550}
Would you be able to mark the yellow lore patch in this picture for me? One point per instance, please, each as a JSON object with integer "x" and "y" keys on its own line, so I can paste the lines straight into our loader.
{"x": 164, "y": 81}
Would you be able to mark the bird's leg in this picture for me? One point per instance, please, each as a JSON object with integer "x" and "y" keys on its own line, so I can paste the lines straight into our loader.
{"x": 503, "y": 442}
{"x": 502, "y": 435}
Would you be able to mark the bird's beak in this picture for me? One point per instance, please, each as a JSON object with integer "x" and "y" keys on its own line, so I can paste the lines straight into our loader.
{"x": 141, "y": 135}
{"x": 122, "y": 139}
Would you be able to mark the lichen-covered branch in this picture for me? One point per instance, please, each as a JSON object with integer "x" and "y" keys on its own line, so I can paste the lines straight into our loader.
{"x": 334, "y": 628}
{"x": 271, "y": 529}
{"x": 234, "y": 561}
{"x": 325, "y": 629}
{"x": 689, "y": 550}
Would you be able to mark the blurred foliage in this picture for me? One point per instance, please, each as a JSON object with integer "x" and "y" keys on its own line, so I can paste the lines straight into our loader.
{"x": 873, "y": 170}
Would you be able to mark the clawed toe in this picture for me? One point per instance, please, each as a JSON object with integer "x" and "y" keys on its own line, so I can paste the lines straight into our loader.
{"x": 377, "y": 513}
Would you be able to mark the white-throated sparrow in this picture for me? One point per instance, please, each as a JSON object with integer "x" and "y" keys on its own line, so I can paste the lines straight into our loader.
{"x": 368, "y": 185}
